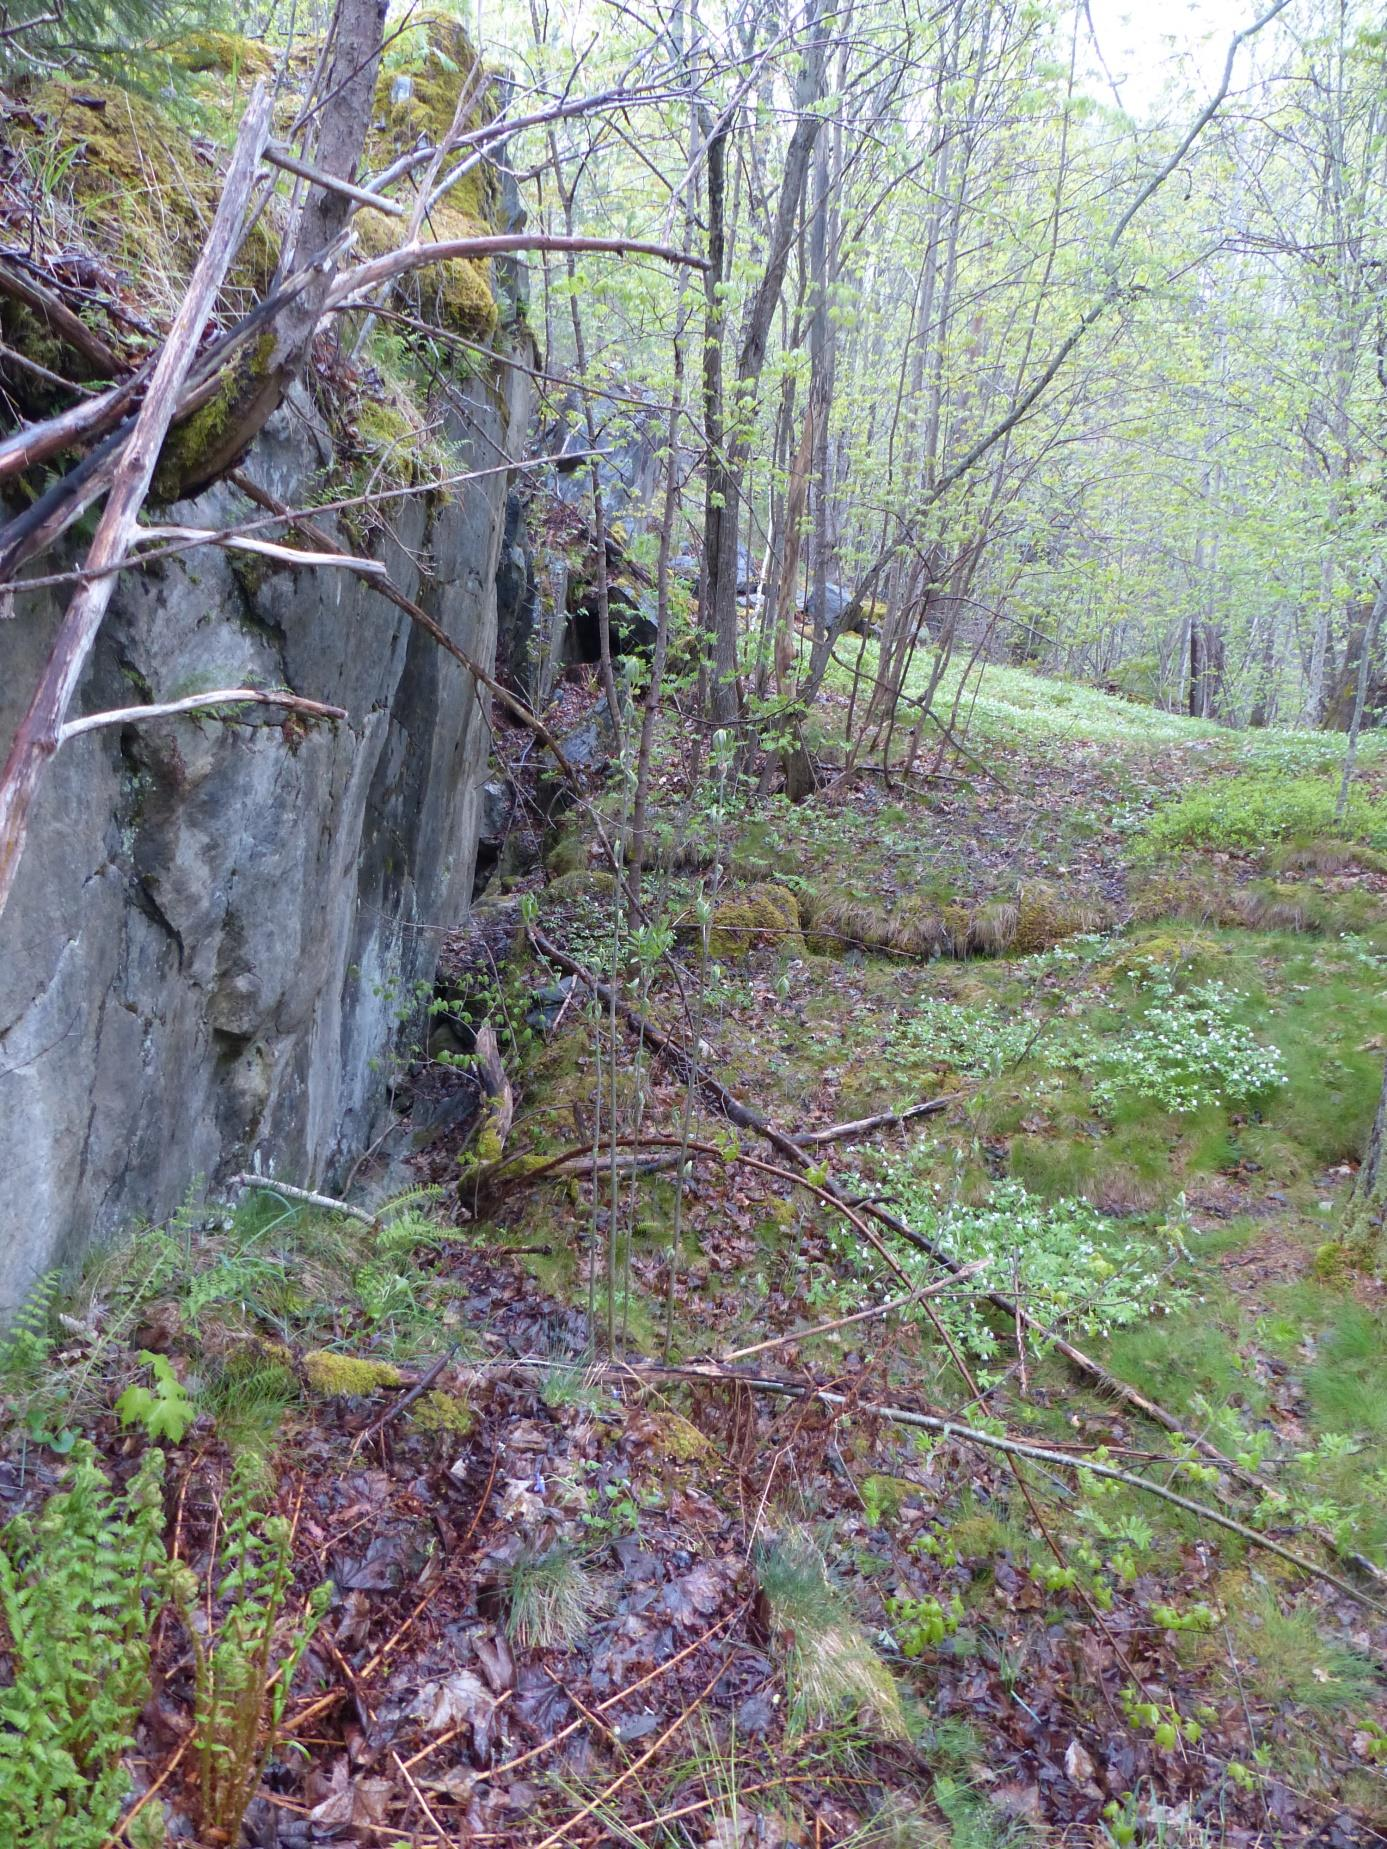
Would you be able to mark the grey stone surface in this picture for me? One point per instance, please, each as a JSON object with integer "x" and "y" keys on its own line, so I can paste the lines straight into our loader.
{"x": 217, "y": 928}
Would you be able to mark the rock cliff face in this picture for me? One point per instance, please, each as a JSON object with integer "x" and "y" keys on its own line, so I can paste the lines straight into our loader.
{"x": 220, "y": 932}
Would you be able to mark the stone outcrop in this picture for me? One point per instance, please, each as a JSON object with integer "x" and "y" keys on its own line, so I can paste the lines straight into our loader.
{"x": 221, "y": 931}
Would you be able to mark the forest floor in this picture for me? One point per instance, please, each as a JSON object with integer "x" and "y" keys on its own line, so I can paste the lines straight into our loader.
{"x": 588, "y": 1604}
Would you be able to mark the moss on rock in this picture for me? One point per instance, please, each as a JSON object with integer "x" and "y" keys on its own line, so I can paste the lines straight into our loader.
{"x": 438, "y": 1411}
{"x": 416, "y": 100}
{"x": 348, "y": 1376}
{"x": 580, "y": 883}
{"x": 761, "y": 914}
{"x": 143, "y": 191}
{"x": 227, "y": 54}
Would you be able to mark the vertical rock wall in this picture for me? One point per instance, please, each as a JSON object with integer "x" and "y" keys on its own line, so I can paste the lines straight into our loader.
{"x": 220, "y": 932}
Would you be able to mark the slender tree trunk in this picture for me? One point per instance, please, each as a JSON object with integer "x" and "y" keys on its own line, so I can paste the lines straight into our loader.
{"x": 1367, "y": 1215}
{"x": 727, "y": 463}
{"x": 1371, "y": 630}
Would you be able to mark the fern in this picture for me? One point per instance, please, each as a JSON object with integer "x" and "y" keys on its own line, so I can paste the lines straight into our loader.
{"x": 28, "y": 1342}
{"x": 240, "y": 1691}
{"x": 33, "y": 1391}
{"x": 78, "y": 1596}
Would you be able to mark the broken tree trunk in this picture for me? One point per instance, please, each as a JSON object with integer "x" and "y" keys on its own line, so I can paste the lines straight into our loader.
{"x": 40, "y": 729}
{"x": 345, "y": 93}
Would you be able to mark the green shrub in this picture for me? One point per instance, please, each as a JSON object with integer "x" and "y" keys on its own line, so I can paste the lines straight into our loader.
{"x": 1249, "y": 812}
{"x": 78, "y": 1596}
{"x": 969, "y": 1041}
{"x": 1062, "y": 1258}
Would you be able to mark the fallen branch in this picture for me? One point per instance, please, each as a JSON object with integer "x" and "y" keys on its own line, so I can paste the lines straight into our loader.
{"x": 70, "y": 328}
{"x": 198, "y": 702}
{"x": 992, "y": 1441}
{"x": 93, "y": 417}
{"x": 39, "y": 731}
{"x": 837, "y": 1133}
{"x": 306, "y": 1196}
{"x": 745, "y": 1118}
{"x": 908, "y": 1301}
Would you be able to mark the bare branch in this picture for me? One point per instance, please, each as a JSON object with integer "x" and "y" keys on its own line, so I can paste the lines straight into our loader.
{"x": 198, "y": 702}
{"x": 414, "y": 256}
{"x": 39, "y": 731}
{"x": 290, "y": 163}
{"x": 287, "y": 555}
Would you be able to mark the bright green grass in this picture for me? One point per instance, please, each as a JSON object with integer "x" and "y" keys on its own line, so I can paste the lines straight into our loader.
{"x": 1249, "y": 812}
{"x": 1012, "y": 702}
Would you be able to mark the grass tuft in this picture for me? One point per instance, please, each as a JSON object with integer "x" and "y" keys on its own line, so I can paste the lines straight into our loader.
{"x": 552, "y": 1598}
{"x": 831, "y": 1665}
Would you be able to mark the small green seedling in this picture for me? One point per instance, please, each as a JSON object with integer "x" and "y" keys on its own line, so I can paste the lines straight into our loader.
{"x": 165, "y": 1410}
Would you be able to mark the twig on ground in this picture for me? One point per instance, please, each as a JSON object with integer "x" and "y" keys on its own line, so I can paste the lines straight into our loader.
{"x": 400, "y": 1405}
{"x": 837, "y": 1133}
{"x": 858, "y": 1316}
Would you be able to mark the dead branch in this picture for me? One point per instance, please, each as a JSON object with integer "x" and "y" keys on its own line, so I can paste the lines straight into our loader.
{"x": 908, "y": 1301}
{"x": 71, "y": 329}
{"x": 401, "y": 1403}
{"x": 266, "y": 548}
{"x": 407, "y": 257}
{"x": 39, "y": 730}
{"x": 198, "y": 702}
{"x": 837, "y": 1133}
{"x": 92, "y": 418}
{"x": 281, "y": 157}
{"x": 491, "y": 1074}
{"x": 1106, "y": 1382}
{"x": 306, "y": 1195}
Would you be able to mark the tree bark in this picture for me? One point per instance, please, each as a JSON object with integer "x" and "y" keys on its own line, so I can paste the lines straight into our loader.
{"x": 1368, "y": 1207}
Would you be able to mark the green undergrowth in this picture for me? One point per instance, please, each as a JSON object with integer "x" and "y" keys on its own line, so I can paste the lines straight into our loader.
{"x": 1253, "y": 812}
{"x": 263, "y": 1308}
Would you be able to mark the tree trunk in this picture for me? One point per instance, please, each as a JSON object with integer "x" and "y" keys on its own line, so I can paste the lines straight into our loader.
{"x": 345, "y": 95}
{"x": 728, "y": 458}
{"x": 1368, "y": 1207}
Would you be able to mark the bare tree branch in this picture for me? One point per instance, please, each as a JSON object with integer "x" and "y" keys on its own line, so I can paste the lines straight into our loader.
{"x": 197, "y": 702}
